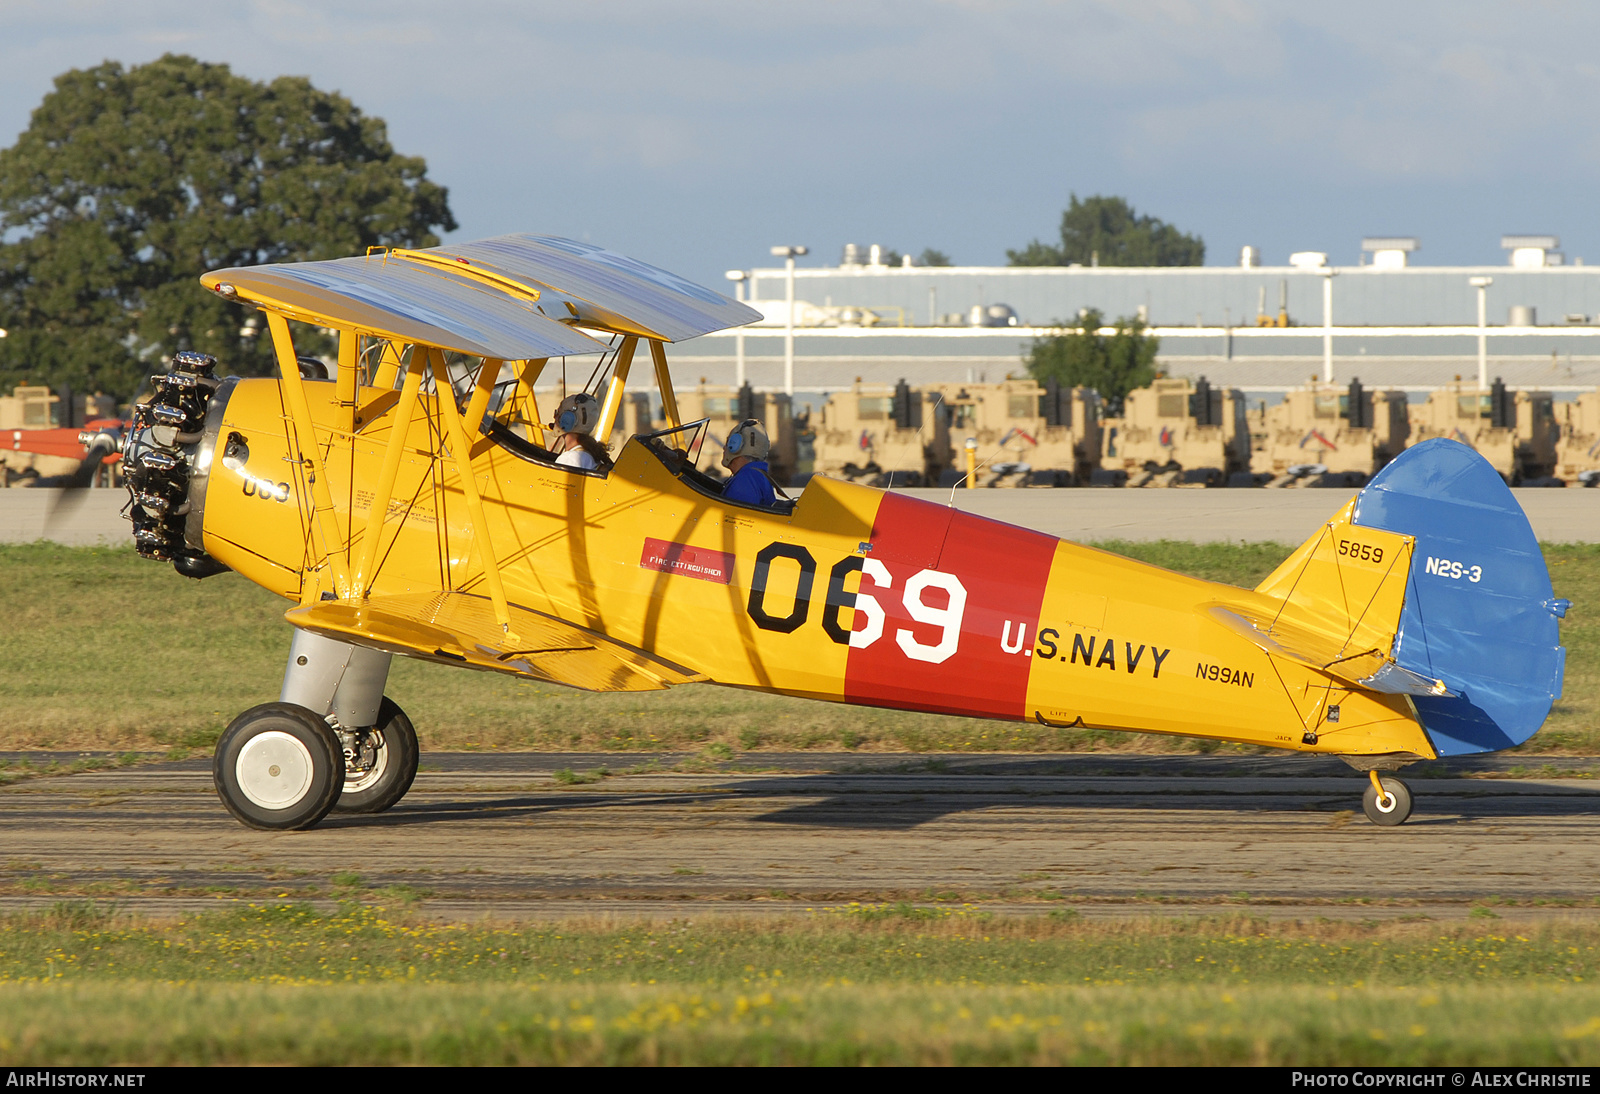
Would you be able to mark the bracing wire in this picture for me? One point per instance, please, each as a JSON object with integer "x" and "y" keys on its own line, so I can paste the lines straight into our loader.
{"x": 609, "y": 356}
{"x": 919, "y": 443}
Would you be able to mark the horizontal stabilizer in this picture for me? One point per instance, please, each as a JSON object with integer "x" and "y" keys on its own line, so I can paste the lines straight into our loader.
{"x": 1335, "y": 606}
{"x": 460, "y": 629}
{"x": 1371, "y": 669}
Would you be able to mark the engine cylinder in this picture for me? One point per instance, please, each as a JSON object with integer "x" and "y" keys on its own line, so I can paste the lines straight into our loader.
{"x": 165, "y": 446}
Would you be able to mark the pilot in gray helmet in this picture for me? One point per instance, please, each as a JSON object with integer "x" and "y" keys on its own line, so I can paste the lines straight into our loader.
{"x": 745, "y": 454}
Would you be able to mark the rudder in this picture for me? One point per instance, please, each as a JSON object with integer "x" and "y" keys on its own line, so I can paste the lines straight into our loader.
{"x": 1480, "y": 613}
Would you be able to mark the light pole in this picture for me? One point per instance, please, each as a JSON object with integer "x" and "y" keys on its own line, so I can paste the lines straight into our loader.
{"x": 788, "y": 254}
{"x": 1482, "y": 285}
{"x": 1327, "y": 324}
{"x": 738, "y": 277}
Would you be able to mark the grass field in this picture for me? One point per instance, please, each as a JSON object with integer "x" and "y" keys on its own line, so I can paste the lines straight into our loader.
{"x": 868, "y": 985}
{"x": 108, "y": 651}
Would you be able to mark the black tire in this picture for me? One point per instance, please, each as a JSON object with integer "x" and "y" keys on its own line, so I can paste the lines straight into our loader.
{"x": 1395, "y": 810}
{"x": 278, "y": 766}
{"x": 394, "y": 767}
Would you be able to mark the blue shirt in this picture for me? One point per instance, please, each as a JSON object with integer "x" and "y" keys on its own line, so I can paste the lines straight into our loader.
{"x": 750, "y": 485}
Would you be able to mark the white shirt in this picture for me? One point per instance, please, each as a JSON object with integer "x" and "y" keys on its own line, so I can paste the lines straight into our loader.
{"x": 577, "y": 456}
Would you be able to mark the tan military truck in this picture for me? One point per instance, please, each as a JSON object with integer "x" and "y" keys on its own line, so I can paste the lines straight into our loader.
{"x": 727, "y": 406}
{"x": 1516, "y": 431}
{"x": 882, "y": 436}
{"x": 29, "y": 408}
{"x": 1322, "y": 435}
{"x": 1578, "y": 450}
{"x": 1028, "y": 433}
{"x": 1177, "y": 433}
{"x": 634, "y": 417}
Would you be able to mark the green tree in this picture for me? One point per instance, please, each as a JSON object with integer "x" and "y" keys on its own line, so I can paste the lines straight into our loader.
{"x": 130, "y": 183}
{"x": 1106, "y": 231}
{"x": 1080, "y": 355}
{"x": 928, "y": 257}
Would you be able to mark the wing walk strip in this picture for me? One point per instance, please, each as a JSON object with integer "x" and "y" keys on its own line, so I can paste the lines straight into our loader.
{"x": 461, "y": 267}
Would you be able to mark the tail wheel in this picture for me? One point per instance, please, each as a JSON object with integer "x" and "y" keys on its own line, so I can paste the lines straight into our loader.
{"x": 380, "y": 763}
{"x": 1390, "y": 808}
{"x": 278, "y": 766}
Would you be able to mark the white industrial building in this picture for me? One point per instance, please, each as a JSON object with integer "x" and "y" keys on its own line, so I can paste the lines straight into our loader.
{"x": 1389, "y": 321}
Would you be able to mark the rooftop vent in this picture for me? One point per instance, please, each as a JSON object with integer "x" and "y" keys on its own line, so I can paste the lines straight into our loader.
{"x": 1389, "y": 252}
{"x": 1529, "y": 252}
{"x": 1308, "y": 260}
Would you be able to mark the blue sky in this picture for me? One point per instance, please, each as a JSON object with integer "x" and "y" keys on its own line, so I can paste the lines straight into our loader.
{"x": 696, "y": 134}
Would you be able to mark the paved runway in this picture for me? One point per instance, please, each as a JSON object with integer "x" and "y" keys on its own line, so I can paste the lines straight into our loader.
{"x": 499, "y": 835}
{"x": 1203, "y": 516}
{"x": 1282, "y": 516}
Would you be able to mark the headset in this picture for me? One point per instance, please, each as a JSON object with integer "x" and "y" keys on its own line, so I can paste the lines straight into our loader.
{"x": 578, "y": 413}
{"x": 747, "y": 439}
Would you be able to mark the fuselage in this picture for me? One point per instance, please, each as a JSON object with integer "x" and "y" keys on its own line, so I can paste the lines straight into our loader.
{"x": 855, "y": 595}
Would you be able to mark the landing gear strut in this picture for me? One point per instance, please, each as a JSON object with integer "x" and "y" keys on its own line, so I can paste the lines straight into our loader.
{"x": 379, "y": 762}
{"x": 1387, "y": 800}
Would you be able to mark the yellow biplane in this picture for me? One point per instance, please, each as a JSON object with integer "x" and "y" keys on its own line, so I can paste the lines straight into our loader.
{"x": 412, "y": 504}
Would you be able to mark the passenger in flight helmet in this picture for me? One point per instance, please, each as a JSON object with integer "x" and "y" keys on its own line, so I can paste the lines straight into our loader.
{"x": 745, "y": 454}
{"x": 576, "y": 419}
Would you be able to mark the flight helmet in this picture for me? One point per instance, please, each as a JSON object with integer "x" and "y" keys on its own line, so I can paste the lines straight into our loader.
{"x": 747, "y": 439}
{"x": 578, "y": 413}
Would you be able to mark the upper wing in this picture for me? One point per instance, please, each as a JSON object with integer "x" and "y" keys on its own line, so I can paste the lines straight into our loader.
{"x": 459, "y": 628}
{"x": 603, "y": 289}
{"x": 511, "y": 297}
{"x": 408, "y": 301}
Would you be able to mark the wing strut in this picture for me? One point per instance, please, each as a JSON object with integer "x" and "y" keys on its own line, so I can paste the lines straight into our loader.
{"x": 488, "y": 376}
{"x": 619, "y": 381}
{"x": 388, "y": 365}
{"x": 530, "y": 374}
{"x": 366, "y": 570}
{"x": 669, "y": 398}
{"x": 305, "y": 435}
{"x": 461, "y": 450}
{"x": 347, "y": 387}
{"x": 348, "y": 379}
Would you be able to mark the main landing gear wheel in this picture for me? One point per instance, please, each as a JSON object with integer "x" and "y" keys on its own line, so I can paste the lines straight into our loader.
{"x": 1390, "y": 808}
{"x": 379, "y": 762}
{"x": 278, "y": 766}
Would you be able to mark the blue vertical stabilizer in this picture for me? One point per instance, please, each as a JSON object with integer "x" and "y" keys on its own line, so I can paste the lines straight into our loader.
{"x": 1479, "y": 610}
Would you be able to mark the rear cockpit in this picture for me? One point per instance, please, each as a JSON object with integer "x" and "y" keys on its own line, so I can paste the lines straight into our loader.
{"x": 679, "y": 449}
